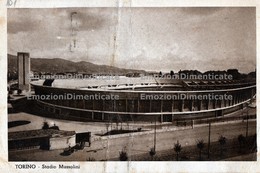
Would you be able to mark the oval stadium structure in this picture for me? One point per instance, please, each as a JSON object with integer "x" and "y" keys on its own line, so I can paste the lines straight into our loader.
{"x": 136, "y": 99}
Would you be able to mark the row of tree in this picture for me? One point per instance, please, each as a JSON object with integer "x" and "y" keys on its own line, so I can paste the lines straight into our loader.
{"x": 222, "y": 140}
{"x": 234, "y": 72}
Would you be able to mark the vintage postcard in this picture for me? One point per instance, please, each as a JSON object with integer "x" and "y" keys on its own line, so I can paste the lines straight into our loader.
{"x": 129, "y": 86}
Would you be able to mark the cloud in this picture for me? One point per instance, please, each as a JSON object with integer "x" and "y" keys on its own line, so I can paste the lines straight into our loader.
{"x": 14, "y": 27}
{"x": 85, "y": 20}
{"x": 26, "y": 20}
{"x": 147, "y": 38}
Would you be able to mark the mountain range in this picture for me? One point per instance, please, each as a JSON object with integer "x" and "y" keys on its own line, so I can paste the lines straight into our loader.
{"x": 59, "y": 65}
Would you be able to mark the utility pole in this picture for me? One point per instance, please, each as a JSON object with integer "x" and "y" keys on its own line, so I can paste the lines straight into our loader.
{"x": 154, "y": 134}
{"x": 247, "y": 117}
{"x": 209, "y": 139}
{"x": 247, "y": 123}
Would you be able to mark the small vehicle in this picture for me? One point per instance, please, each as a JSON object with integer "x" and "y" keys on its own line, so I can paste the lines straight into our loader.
{"x": 68, "y": 151}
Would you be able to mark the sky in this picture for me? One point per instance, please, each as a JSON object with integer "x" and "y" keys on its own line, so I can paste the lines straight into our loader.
{"x": 151, "y": 39}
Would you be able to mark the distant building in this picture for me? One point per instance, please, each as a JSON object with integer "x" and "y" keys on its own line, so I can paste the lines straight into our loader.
{"x": 133, "y": 75}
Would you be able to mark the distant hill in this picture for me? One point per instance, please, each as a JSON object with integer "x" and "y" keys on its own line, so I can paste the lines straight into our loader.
{"x": 58, "y": 65}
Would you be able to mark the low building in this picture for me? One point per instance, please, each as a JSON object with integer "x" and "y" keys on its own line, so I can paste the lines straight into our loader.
{"x": 48, "y": 139}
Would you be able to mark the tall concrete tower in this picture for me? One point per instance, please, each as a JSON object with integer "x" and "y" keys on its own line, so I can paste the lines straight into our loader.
{"x": 23, "y": 66}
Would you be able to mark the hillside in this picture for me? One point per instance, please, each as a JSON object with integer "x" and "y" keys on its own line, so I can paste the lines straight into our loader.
{"x": 58, "y": 65}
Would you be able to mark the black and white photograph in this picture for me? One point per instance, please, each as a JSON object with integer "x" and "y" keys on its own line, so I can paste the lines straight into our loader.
{"x": 93, "y": 84}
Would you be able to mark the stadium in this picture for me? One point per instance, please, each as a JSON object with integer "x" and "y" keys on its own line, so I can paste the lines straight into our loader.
{"x": 137, "y": 99}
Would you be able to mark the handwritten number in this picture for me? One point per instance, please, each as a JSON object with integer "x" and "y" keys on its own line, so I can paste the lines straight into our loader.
{"x": 11, "y": 2}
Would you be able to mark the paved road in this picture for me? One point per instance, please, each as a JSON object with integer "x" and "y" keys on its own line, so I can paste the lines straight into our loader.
{"x": 245, "y": 157}
{"x": 166, "y": 140}
{"x": 109, "y": 148}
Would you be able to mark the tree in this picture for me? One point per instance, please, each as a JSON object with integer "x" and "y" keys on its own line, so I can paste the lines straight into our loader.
{"x": 171, "y": 73}
{"x": 123, "y": 155}
{"x": 222, "y": 141}
{"x": 152, "y": 152}
{"x": 19, "y": 91}
{"x": 45, "y": 125}
{"x": 11, "y": 92}
{"x": 241, "y": 139}
{"x": 160, "y": 74}
{"x": 177, "y": 149}
{"x": 54, "y": 127}
{"x": 200, "y": 146}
